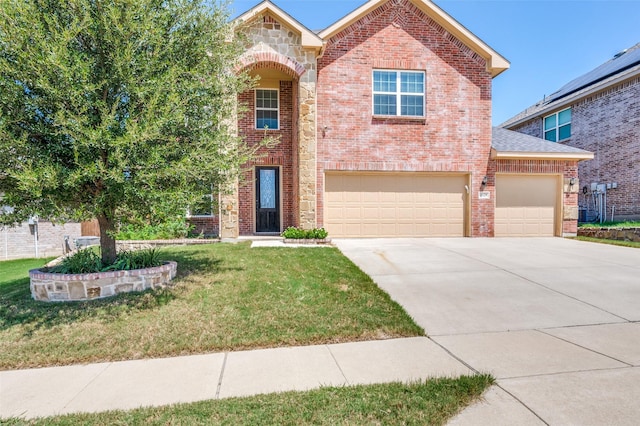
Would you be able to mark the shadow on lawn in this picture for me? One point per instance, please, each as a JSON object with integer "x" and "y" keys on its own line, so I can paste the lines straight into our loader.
{"x": 17, "y": 307}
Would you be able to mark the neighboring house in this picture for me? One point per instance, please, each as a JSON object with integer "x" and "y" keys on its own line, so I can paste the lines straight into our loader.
{"x": 385, "y": 126}
{"x": 598, "y": 112}
{"x": 35, "y": 238}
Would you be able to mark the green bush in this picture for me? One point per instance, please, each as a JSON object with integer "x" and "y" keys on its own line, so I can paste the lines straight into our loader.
{"x": 305, "y": 234}
{"x": 87, "y": 261}
{"x": 178, "y": 228}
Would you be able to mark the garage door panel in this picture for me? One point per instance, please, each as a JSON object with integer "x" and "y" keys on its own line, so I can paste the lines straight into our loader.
{"x": 386, "y": 204}
{"x": 526, "y": 205}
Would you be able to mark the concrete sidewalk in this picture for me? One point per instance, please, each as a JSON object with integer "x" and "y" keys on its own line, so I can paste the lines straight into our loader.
{"x": 154, "y": 382}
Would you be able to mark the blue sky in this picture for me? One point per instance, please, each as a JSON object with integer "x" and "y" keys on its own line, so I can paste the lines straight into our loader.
{"x": 548, "y": 42}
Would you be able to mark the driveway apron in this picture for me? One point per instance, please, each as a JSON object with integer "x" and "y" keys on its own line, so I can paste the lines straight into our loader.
{"x": 554, "y": 320}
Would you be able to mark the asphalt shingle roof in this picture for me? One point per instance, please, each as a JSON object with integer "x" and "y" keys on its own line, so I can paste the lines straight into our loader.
{"x": 625, "y": 60}
{"x": 503, "y": 140}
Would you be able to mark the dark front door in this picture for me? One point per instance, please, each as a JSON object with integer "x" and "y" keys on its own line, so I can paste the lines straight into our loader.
{"x": 267, "y": 199}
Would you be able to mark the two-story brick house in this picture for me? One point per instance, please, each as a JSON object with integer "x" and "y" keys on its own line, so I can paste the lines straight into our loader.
{"x": 385, "y": 126}
{"x": 600, "y": 112}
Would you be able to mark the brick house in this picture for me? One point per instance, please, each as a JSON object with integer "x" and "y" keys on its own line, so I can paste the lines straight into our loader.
{"x": 385, "y": 126}
{"x": 600, "y": 112}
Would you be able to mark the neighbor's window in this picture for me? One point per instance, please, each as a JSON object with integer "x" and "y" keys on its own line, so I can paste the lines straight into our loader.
{"x": 203, "y": 208}
{"x": 557, "y": 126}
{"x": 267, "y": 109}
{"x": 399, "y": 93}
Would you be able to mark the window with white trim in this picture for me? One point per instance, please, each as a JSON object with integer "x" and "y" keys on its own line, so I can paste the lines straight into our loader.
{"x": 203, "y": 208}
{"x": 557, "y": 126}
{"x": 267, "y": 109}
{"x": 399, "y": 93}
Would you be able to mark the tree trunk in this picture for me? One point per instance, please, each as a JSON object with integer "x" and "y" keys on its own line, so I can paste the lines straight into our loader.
{"x": 107, "y": 242}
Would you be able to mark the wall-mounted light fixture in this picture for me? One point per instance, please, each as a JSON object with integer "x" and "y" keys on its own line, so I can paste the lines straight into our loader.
{"x": 572, "y": 181}
{"x": 484, "y": 181}
{"x": 325, "y": 129}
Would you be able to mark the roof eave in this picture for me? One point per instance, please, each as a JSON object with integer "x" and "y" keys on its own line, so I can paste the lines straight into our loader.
{"x": 496, "y": 64}
{"x": 531, "y": 155}
{"x": 572, "y": 98}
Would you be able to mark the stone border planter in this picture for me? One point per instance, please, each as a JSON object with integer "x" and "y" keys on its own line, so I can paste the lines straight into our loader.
{"x": 619, "y": 234}
{"x": 309, "y": 241}
{"x": 50, "y": 287}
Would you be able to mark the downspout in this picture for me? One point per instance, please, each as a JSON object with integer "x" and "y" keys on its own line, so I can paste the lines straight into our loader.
{"x": 35, "y": 237}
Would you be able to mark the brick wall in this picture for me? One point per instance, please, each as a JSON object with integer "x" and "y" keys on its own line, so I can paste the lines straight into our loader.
{"x": 455, "y": 135}
{"x": 531, "y": 127}
{"x": 19, "y": 242}
{"x": 282, "y": 155}
{"x": 208, "y": 226}
{"x": 607, "y": 124}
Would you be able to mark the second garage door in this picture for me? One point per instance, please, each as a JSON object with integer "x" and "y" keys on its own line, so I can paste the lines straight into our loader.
{"x": 526, "y": 205}
{"x": 394, "y": 205}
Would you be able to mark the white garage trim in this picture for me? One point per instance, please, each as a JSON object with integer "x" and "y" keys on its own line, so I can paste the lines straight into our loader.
{"x": 411, "y": 204}
{"x": 528, "y": 205}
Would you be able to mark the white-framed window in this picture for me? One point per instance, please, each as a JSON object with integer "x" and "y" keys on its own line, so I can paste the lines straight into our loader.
{"x": 557, "y": 126}
{"x": 267, "y": 109}
{"x": 399, "y": 93}
{"x": 203, "y": 208}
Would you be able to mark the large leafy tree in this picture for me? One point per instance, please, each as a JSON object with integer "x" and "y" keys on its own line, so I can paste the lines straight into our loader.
{"x": 114, "y": 108}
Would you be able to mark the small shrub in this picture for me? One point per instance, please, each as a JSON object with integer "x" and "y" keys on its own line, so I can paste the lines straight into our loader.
{"x": 87, "y": 261}
{"x": 305, "y": 234}
{"x": 84, "y": 261}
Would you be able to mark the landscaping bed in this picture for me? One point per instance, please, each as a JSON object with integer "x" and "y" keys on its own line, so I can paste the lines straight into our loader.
{"x": 619, "y": 232}
{"x": 225, "y": 297}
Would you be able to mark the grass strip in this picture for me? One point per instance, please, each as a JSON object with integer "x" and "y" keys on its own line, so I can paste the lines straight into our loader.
{"x": 226, "y": 297}
{"x": 633, "y": 244}
{"x": 432, "y": 402}
{"x": 626, "y": 224}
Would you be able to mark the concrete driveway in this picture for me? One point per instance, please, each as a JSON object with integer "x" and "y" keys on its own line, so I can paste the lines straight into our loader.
{"x": 554, "y": 320}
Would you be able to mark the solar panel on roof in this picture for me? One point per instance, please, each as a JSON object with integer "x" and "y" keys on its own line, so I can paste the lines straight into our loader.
{"x": 619, "y": 63}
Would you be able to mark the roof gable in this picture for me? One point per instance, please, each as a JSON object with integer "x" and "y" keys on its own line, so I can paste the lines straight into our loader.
{"x": 495, "y": 62}
{"x": 308, "y": 37}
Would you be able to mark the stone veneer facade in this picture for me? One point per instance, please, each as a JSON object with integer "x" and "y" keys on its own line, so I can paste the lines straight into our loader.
{"x": 273, "y": 47}
{"x": 50, "y": 287}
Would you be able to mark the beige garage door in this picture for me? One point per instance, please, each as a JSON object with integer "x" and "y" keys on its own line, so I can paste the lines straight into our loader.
{"x": 526, "y": 205}
{"x": 394, "y": 205}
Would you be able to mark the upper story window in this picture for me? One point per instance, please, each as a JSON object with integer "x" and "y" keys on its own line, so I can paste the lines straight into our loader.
{"x": 267, "y": 109}
{"x": 557, "y": 126}
{"x": 399, "y": 93}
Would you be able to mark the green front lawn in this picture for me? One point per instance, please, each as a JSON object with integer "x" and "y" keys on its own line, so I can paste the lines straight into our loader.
{"x": 226, "y": 297}
{"x": 634, "y": 244}
{"x": 12, "y": 275}
{"x": 424, "y": 403}
{"x": 11, "y": 270}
